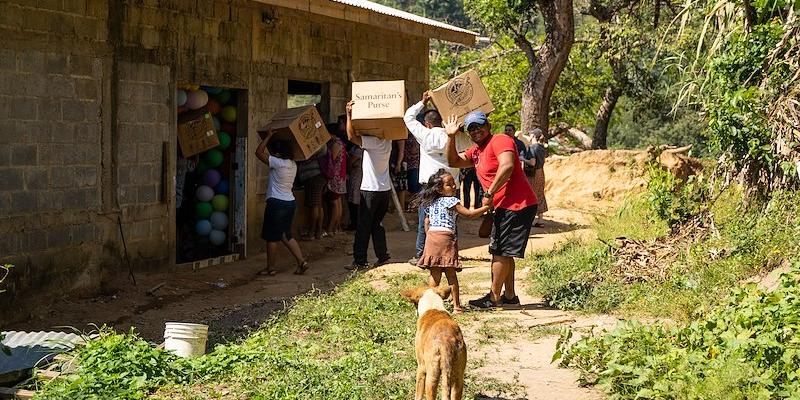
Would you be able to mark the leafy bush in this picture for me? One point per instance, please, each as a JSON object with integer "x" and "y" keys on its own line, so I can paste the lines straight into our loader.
{"x": 746, "y": 348}
{"x": 672, "y": 200}
{"x": 739, "y": 93}
{"x": 117, "y": 366}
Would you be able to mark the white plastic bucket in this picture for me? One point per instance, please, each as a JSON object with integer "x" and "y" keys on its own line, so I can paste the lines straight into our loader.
{"x": 186, "y": 340}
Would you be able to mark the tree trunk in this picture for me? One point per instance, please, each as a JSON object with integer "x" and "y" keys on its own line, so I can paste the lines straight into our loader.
{"x": 604, "y": 116}
{"x": 546, "y": 63}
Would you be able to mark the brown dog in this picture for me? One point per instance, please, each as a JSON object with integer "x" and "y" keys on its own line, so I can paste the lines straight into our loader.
{"x": 441, "y": 351}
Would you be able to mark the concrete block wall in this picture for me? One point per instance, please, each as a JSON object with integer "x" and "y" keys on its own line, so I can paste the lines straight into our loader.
{"x": 143, "y": 124}
{"x": 86, "y": 107}
{"x": 51, "y": 80}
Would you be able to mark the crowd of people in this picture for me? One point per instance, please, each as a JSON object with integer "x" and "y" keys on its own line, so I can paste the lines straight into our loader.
{"x": 500, "y": 177}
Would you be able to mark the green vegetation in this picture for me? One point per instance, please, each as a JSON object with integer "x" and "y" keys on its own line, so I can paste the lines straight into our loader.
{"x": 706, "y": 263}
{"x": 354, "y": 343}
{"x": 117, "y": 366}
{"x": 746, "y": 348}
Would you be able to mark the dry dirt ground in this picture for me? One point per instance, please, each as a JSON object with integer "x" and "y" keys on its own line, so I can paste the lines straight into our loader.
{"x": 513, "y": 345}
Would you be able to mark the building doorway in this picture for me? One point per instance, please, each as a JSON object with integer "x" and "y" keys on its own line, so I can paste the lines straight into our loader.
{"x": 210, "y": 183}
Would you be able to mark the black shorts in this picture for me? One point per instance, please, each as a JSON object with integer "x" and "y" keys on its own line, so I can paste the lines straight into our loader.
{"x": 510, "y": 231}
{"x": 278, "y": 217}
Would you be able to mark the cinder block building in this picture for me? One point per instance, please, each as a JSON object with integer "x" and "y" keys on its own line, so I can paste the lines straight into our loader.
{"x": 88, "y": 107}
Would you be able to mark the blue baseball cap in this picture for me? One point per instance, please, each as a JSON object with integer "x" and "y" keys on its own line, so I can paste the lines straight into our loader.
{"x": 475, "y": 117}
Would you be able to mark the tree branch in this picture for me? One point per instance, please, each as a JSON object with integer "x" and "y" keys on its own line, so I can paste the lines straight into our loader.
{"x": 488, "y": 58}
{"x": 526, "y": 47}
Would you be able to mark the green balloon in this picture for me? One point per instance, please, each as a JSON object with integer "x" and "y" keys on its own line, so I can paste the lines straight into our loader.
{"x": 213, "y": 158}
{"x": 220, "y": 202}
{"x": 224, "y": 141}
{"x": 223, "y": 97}
{"x": 203, "y": 210}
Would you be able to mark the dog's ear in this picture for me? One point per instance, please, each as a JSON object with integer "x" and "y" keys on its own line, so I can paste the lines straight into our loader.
{"x": 411, "y": 295}
{"x": 443, "y": 291}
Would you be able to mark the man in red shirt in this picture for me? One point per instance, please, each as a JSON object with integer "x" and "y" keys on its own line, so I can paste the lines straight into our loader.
{"x": 496, "y": 162}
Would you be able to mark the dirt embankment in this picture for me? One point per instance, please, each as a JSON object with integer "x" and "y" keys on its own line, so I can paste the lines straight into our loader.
{"x": 594, "y": 179}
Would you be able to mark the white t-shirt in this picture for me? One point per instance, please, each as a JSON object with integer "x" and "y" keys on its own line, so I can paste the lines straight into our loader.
{"x": 375, "y": 164}
{"x": 281, "y": 178}
{"x": 432, "y": 145}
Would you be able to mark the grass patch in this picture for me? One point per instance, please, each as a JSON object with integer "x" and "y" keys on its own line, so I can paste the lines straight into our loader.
{"x": 578, "y": 276}
{"x": 353, "y": 343}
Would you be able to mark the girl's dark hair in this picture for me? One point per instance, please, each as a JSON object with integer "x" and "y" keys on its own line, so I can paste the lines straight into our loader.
{"x": 432, "y": 190}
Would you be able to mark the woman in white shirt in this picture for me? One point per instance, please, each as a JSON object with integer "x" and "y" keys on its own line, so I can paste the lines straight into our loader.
{"x": 280, "y": 208}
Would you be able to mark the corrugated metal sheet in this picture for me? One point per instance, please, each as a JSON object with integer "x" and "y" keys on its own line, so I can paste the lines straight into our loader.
{"x": 386, "y": 10}
{"x": 29, "y": 349}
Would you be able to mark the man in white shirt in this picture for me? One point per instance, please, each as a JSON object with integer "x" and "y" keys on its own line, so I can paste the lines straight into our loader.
{"x": 375, "y": 196}
{"x": 432, "y": 141}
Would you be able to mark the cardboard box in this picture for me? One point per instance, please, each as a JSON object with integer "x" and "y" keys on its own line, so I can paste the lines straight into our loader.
{"x": 196, "y": 132}
{"x": 379, "y": 108}
{"x": 303, "y": 127}
{"x": 462, "y": 95}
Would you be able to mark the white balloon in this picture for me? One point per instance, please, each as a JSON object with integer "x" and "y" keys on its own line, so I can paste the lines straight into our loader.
{"x": 204, "y": 193}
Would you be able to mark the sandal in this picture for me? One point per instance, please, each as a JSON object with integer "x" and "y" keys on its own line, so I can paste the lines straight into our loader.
{"x": 538, "y": 225}
{"x": 302, "y": 268}
{"x": 267, "y": 272}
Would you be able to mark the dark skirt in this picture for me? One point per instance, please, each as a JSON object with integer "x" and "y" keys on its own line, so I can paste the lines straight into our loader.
{"x": 441, "y": 250}
{"x": 278, "y": 217}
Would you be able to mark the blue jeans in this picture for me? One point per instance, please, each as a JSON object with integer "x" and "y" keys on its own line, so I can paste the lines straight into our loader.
{"x": 421, "y": 231}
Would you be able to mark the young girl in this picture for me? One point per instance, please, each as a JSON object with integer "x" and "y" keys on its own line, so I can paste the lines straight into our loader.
{"x": 441, "y": 247}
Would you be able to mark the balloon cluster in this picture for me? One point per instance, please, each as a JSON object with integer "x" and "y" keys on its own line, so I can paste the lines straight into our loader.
{"x": 211, "y": 198}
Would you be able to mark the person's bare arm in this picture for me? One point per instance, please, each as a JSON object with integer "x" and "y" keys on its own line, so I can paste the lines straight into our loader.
{"x": 261, "y": 151}
{"x": 471, "y": 214}
{"x": 531, "y": 163}
{"x": 427, "y": 223}
{"x": 401, "y": 154}
{"x": 454, "y": 158}
{"x": 351, "y": 133}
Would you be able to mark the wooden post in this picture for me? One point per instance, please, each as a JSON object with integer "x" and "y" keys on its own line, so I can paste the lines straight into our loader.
{"x": 400, "y": 210}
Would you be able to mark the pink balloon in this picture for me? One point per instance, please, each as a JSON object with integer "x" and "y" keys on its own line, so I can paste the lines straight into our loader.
{"x": 211, "y": 177}
{"x": 196, "y": 99}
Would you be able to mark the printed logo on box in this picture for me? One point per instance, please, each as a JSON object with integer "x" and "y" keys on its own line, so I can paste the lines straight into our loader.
{"x": 307, "y": 126}
{"x": 459, "y": 92}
